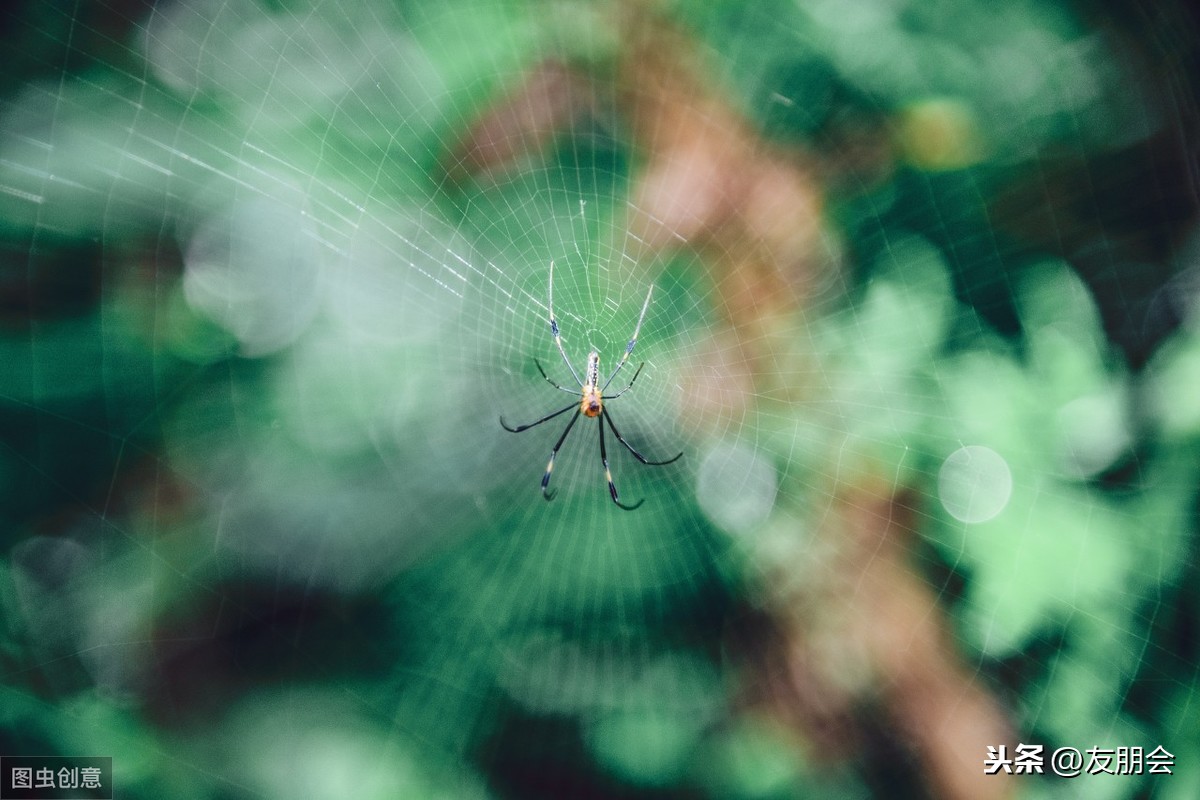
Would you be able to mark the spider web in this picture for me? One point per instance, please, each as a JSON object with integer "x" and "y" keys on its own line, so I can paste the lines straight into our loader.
{"x": 282, "y": 267}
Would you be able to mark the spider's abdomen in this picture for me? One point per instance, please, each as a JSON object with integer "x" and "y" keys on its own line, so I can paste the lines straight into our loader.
{"x": 591, "y": 375}
{"x": 592, "y": 405}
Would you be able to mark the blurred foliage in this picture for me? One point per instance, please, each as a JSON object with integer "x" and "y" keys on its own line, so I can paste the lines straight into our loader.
{"x": 263, "y": 537}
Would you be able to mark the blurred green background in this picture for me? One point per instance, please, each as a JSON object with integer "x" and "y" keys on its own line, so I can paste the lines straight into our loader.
{"x": 271, "y": 271}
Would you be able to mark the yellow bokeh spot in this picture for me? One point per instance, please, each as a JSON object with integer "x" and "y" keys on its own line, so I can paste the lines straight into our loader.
{"x": 940, "y": 134}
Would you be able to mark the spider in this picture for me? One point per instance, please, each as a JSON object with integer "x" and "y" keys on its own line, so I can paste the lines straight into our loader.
{"x": 591, "y": 402}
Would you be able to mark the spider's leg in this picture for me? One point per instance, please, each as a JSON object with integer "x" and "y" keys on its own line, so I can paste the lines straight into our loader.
{"x": 632, "y": 340}
{"x": 612, "y": 487}
{"x": 550, "y": 466}
{"x": 546, "y": 418}
{"x": 627, "y": 388}
{"x": 554, "y": 328}
{"x": 607, "y": 416}
{"x": 552, "y": 383}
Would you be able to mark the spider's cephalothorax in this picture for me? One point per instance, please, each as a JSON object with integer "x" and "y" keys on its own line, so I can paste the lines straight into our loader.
{"x": 591, "y": 400}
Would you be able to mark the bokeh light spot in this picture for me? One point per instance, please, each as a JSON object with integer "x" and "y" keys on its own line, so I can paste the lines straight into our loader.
{"x": 736, "y": 487}
{"x": 974, "y": 484}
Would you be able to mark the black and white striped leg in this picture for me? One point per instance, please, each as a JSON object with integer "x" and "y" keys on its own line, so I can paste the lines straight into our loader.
{"x": 612, "y": 487}
{"x": 632, "y": 340}
{"x": 550, "y": 466}
{"x": 554, "y": 328}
